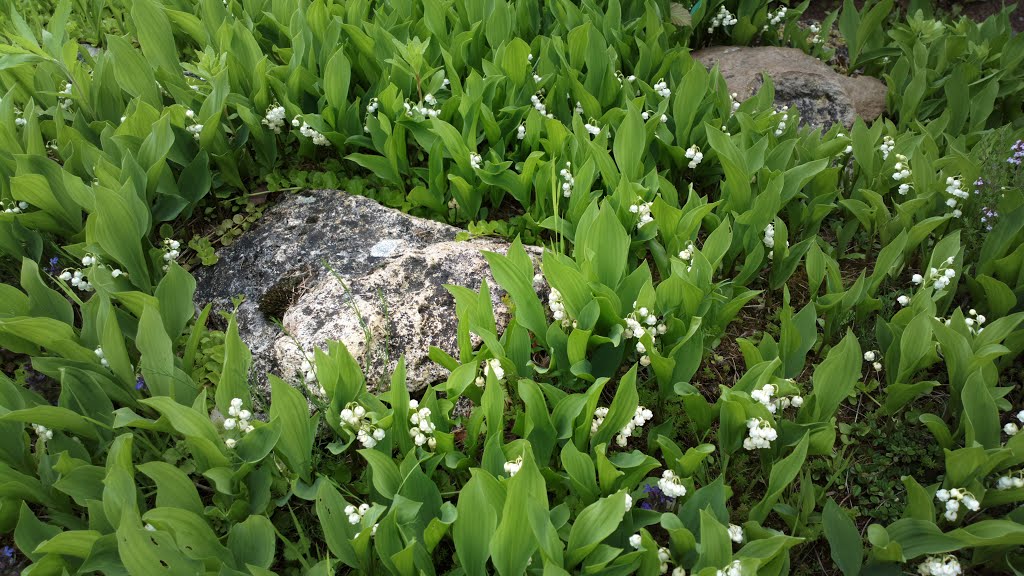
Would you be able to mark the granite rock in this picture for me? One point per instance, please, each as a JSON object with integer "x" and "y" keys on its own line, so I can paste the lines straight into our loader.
{"x": 326, "y": 266}
{"x": 823, "y": 96}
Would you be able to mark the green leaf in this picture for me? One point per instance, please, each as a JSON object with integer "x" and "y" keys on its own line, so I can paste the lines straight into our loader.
{"x": 252, "y": 542}
{"x": 330, "y": 510}
{"x": 479, "y": 505}
{"x": 297, "y": 429}
{"x": 782, "y": 474}
{"x": 75, "y": 543}
{"x": 843, "y": 539}
{"x": 595, "y": 523}
{"x": 630, "y": 143}
{"x": 834, "y": 379}
{"x": 514, "y": 541}
{"x": 155, "y": 37}
{"x": 337, "y": 76}
{"x": 234, "y": 376}
{"x": 384, "y": 472}
{"x": 174, "y": 489}
{"x": 254, "y": 446}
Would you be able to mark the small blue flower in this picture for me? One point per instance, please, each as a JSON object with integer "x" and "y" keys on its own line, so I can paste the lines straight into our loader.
{"x": 140, "y": 383}
{"x": 53, "y": 269}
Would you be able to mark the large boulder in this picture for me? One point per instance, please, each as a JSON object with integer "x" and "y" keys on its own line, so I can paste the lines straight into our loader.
{"x": 823, "y": 96}
{"x": 325, "y": 265}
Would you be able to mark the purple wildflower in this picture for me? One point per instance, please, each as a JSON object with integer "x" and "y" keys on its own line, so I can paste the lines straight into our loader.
{"x": 53, "y": 269}
{"x": 656, "y": 499}
{"x": 1018, "y": 153}
{"x": 140, "y": 383}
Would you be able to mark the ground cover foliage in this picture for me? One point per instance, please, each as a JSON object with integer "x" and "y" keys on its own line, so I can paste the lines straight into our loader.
{"x": 750, "y": 347}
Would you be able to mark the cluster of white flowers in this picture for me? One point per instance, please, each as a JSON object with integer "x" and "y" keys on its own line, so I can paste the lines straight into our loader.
{"x": 567, "y": 180}
{"x": 592, "y": 127}
{"x": 875, "y": 358}
{"x": 663, "y": 558}
{"x": 371, "y": 108}
{"x": 736, "y": 533}
{"x": 538, "y": 102}
{"x": 1011, "y": 428}
{"x": 91, "y": 260}
{"x": 760, "y": 434}
{"x": 954, "y": 498}
{"x": 887, "y": 145}
{"x": 422, "y": 429}
{"x": 600, "y": 413}
{"x": 355, "y": 417}
{"x": 686, "y": 253}
{"x": 493, "y": 366}
{"x": 646, "y": 115}
{"x": 815, "y": 31}
{"x": 512, "y": 467}
{"x": 695, "y": 156}
{"x": 769, "y": 240}
{"x": 954, "y": 187}
{"x": 722, "y": 19}
{"x": 14, "y": 208}
{"x": 671, "y": 484}
{"x": 423, "y": 109}
{"x": 622, "y": 78}
{"x": 734, "y": 568}
{"x": 475, "y": 160}
{"x": 19, "y": 120}
{"x": 773, "y": 404}
{"x": 521, "y": 131}
{"x": 902, "y": 168}
{"x": 578, "y": 108}
{"x": 77, "y": 278}
{"x": 195, "y": 128}
{"x": 42, "y": 432}
{"x": 639, "y": 322}
{"x": 275, "y": 118}
{"x": 849, "y": 147}
{"x": 643, "y": 209}
{"x": 780, "y": 128}
{"x": 172, "y": 249}
{"x": 65, "y": 96}
{"x": 238, "y": 418}
{"x": 103, "y": 357}
{"x": 940, "y": 566}
{"x": 557, "y": 307}
{"x": 661, "y": 87}
{"x": 1008, "y": 482}
{"x": 308, "y": 370}
{"x": 640, "y": 417}
{"x": 939, "y": 278}
{"x": 776, "y": 18}
{"x": 974, "y": 321}
{"x": 355, "y": 514}
{"x": 309, "y": 132}
{"x": 902, "y": 172}
{"x": 734, "y": 101}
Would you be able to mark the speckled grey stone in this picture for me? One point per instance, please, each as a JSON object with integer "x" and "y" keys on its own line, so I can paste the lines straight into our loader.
{"x": 383, "y": 294}
{"x": 823, "y": 96}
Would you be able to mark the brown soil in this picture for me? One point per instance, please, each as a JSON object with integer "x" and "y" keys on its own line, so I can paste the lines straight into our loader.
{"x": 977, "y": 10}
